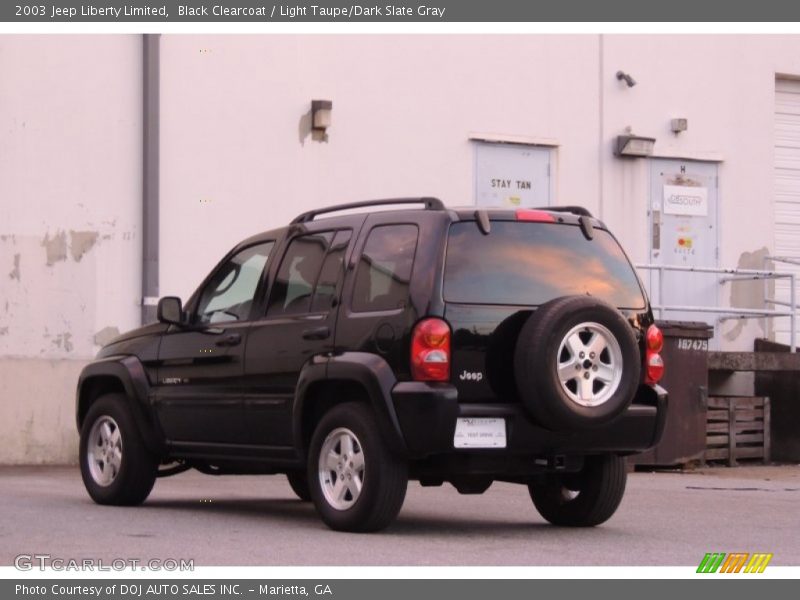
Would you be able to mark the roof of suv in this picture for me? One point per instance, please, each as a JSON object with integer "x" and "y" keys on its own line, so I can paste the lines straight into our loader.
{"x": 564, "y": 213}
{"x": 561, "y": 214}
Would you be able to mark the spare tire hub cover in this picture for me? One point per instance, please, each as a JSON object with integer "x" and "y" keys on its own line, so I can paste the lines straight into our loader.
{"x": 589, "y": 364}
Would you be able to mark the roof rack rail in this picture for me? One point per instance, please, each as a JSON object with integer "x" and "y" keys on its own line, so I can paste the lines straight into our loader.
{"x": 575, "y": 210}
{"x": 430, "y": 204}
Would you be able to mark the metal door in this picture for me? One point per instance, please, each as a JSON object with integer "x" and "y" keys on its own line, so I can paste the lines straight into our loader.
{"x": 683, "y": 232}
{"x": 512, "y": 175}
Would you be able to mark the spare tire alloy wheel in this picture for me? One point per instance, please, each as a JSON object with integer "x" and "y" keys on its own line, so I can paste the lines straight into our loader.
{"x": 341, "y": 468}
{"x": 577, "y": 363}
{"x": 589, "y": 364}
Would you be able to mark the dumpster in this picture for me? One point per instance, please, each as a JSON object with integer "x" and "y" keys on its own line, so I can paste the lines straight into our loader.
{"x": 686, "y": 380}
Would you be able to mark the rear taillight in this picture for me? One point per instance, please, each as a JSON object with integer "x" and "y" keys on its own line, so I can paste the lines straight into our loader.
{"x": 654, "y": 339}
{"x": 430, "y": 351}
{"x": 653, "y": 363}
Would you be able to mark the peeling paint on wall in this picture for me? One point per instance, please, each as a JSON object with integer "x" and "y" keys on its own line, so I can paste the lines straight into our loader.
{"x": 15, "y": 271}
{"x": 105, "y": 335}
{"x": 81, "y": 242}
{"x": 63, "y": 340}
{"x": 750, "y": 293}
{"x": 55, "y": 247}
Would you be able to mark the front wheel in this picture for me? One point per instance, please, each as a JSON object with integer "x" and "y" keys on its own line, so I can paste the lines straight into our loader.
{"x": 583, "y": 499}
{"x": 356, "y": 483}
{"x": 116, "y": 466}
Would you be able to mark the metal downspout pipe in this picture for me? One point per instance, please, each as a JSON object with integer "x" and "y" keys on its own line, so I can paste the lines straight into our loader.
{"x": 150, "y": 174}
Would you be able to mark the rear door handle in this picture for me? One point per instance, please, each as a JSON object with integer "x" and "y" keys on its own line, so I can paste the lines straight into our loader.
{"x": 317, "y": 333}
{"x": 233, "y": 339}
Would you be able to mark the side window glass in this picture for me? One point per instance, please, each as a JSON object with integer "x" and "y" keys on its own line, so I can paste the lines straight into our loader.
{"x": 384, "y": 270}
{"x": 229, "y": 295}
{"x": 331, "y": 274}
{"x": 297, "y": 276}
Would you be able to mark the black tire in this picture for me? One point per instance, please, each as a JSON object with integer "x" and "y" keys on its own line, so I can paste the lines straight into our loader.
{"x": 384, "y": 476}
{"x": 536, "y": 360}
{"x": 132, "y": 482}
{"x": 599, "y": 486}
{"x": 298, "y": 481}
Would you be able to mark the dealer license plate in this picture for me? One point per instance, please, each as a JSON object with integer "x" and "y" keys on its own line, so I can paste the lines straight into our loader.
{"x": 480, "y": 432}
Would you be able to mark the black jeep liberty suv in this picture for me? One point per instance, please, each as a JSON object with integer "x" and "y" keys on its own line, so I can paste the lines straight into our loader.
{"x": 355, "y": 352}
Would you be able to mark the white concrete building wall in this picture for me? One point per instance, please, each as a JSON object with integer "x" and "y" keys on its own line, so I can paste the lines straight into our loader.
{"x": 70, "y": 215}
{"x": 236, "y": 153}
{"x": 236, "y": 156}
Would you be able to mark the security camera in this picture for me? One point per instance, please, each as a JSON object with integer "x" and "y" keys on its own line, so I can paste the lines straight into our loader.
{"x": 629, "y": 81}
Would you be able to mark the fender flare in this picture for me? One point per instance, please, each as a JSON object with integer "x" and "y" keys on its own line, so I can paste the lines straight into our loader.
{"x": 130, "y": 373}
{"x": 369, "y": 371}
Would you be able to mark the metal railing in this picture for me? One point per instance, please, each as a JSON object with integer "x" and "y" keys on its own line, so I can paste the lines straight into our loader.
{"x": 789, "y": 260}
{"x": 727, "y": 276}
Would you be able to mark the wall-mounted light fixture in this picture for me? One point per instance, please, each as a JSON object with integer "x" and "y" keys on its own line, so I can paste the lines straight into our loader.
{"x": 321, "y": 114}
{"x": 623, "y": 76}
{"x": 634, "y": 145}
{"x": 678, "y": 125}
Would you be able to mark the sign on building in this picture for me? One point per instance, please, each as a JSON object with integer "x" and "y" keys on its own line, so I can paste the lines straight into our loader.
{"x": 510, "y": 175}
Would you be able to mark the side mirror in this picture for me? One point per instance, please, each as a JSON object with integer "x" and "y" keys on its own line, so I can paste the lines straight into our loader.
{"x": 170, "y": 310}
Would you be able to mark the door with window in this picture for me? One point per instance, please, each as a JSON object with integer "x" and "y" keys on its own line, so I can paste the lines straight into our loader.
{"x": 298, "y": 324}
{"x": 683, "y": 233}
{"x": 199, "y": 396}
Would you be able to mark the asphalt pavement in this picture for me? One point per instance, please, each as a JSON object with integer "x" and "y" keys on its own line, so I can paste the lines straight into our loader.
{"x": 666, "y": 518}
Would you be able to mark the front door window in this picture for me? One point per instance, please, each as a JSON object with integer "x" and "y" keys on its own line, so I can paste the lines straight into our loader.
{"x": 229, "y": 295}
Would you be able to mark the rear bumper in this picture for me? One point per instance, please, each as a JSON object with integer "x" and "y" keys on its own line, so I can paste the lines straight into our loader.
{"x": 427, "y": 414}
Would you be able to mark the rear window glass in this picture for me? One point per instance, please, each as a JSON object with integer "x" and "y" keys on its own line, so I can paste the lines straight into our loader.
{"x": 533, "y": 263}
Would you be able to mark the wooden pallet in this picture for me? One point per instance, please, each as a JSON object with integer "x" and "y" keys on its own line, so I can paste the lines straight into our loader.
{"x": 737, "y": 428}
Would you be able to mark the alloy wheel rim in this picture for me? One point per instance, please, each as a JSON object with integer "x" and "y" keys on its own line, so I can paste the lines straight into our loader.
{"x": 589, "y": 364}
{"x": 341, "y": 468}
{"x": 104, "y": 451}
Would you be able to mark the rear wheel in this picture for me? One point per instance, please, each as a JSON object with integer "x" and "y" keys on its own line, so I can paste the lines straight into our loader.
{"x": 116, "y": 467}
{"x": 298, "y": 481}
{"x": 355, "y": 481}
{"x": 583, "y": 499}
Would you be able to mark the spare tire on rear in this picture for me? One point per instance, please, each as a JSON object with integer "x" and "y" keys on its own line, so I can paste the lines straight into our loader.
{"x": 576, "y": 363}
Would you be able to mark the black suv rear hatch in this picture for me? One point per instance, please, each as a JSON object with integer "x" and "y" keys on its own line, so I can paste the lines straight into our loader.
{"x": 492, "y": 283}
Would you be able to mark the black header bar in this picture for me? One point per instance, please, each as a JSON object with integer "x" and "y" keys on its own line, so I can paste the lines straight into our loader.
{"x": 400, "y": 11}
